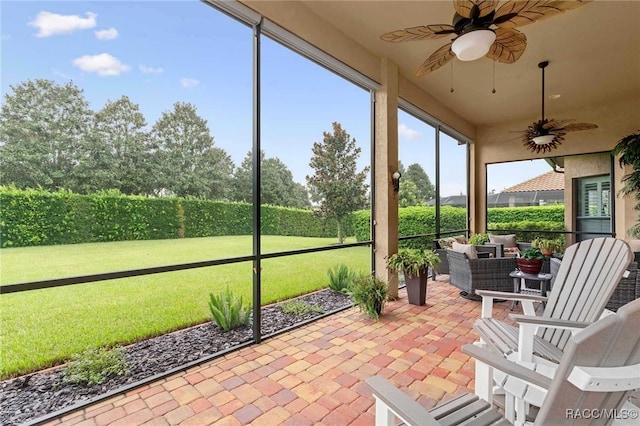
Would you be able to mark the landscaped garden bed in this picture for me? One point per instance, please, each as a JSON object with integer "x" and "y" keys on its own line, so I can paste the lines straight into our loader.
{"x": 28, "y": 397}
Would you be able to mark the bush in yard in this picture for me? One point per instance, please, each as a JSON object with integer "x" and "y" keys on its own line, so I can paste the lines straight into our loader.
{"x": 529, "y": 230}
{"x": 229, "y": 311}
{"x": 340, "y": 277}
{"x": 299, "y": 307}
{"x": 415, "y": 220}
{"x": 94, "y": 366}
{"x": 553, "y": 213}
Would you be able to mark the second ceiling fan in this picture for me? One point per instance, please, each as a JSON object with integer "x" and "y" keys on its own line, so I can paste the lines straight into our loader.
{"x": 479, "y": 29}
{"x": 546, "y": 134}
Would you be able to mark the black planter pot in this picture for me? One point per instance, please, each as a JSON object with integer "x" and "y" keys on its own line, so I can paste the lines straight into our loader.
{"x": 416, "y": 288}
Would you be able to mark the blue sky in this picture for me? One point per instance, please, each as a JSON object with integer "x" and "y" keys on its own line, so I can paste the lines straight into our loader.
{"x": 160, "y": 52}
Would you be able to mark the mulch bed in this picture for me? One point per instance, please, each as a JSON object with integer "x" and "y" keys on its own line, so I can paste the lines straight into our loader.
{"x": 28, "y": 397}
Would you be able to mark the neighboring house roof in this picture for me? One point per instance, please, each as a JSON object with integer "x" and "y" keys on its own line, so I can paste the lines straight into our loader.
{"x": 550, "y": 181}
{"x": 547, "y": 188}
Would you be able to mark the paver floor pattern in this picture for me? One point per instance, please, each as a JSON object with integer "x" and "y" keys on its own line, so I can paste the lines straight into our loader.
{"x": 314, "y": 375}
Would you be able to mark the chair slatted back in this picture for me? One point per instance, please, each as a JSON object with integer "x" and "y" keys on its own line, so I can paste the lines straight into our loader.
{"x": 614, "y": 341}
{"x": 588, "y": 275}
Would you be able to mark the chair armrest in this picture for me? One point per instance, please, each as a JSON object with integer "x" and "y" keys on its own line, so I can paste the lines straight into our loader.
{"x": 497, "y": 361}
{"x": 549, "y": 323}
{"x": 398, "y": 403}
{"x": 511, "y": 296}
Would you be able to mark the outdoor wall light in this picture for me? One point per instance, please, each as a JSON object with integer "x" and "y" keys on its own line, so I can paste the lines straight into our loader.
{"x": 395, "y": 179}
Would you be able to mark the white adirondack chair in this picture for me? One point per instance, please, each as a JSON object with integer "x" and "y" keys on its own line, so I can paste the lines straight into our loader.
{"x": 588, "y": 275}
{"x": 599, "y": 368}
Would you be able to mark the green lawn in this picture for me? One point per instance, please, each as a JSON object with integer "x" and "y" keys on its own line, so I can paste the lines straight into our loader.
{"x": 43, "y": 327}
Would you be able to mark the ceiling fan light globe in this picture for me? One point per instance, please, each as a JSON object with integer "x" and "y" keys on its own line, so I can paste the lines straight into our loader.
{"x": 543, "y": 140}
{"x": 473, "y": 45}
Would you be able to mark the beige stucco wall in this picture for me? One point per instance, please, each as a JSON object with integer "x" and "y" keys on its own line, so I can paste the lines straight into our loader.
{"x": 496, "y": 144}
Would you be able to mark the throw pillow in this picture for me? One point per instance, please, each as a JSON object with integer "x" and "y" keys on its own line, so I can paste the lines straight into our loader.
{"x": 446, "y": 242}
{"x": 460, "y": 239}
{"x": 506, "y": 240}
{"x": 468, "y": 249}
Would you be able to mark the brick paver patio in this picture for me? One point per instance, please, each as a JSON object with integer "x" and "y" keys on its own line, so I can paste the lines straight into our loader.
{"x": 314, "y": 375}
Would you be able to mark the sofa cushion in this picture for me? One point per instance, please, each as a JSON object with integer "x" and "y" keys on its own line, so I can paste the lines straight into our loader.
{"x": 447, "y": 242}
{"x": 468, "y": 249}
{"x": 507, "y": 241}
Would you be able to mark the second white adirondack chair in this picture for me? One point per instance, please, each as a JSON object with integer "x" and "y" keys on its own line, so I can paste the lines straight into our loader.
{"x": 599, "y": 368}
{"x": 588, "y": 275}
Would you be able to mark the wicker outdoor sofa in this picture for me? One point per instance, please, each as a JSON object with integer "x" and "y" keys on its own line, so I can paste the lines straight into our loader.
{"x": 470, "y": 275}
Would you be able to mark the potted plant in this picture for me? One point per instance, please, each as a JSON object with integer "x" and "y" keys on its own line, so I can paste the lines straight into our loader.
{"x": 479, "y": 239}
{"x": 414, "y": 264}
{"x": 547, "y": 247}
{"x": 530, "y": 260}
{"x": 370, "y": 294}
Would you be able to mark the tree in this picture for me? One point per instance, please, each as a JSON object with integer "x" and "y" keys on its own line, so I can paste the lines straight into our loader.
{"x": 424, "y": 189}
{"x": 42, "y": 127}
{"x": 408, "y": 194}
{"x": 189, "y": 163}
{"x": 629, "y": 150}
{"x": 337, "y": 186}
{"x": 117, "y": 156}
{"x": 277, "y": 185}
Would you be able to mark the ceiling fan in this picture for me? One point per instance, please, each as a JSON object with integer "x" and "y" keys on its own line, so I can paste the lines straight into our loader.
{"x": 546, "y": 134}
{"x": 479, "y": 29}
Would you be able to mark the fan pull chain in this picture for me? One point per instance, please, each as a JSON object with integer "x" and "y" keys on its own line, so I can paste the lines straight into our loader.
{"x": 494, "y": 77}
{"x": 451, "y": 77}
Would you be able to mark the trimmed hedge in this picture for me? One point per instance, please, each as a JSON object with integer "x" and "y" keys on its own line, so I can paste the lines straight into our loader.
{"x": 421, "y": 220}
{"x": 415, "y": 220}
{"x": 36, "y": 217}
{"x": 528, "y": 230}
{"x": 533, "y": 213}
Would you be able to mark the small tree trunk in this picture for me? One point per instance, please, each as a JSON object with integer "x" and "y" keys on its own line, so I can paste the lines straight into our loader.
{"x": 340, "y": 239}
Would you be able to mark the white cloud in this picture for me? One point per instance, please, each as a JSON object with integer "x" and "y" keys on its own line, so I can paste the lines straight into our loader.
{"x": 150, "y": 70}
{"x": 189, "y": 83}
{"x": 50, "y": 24}
{"x": 109, "y": 34}
{"x": 102, "y": 64}
{"x": 406, "y": 132}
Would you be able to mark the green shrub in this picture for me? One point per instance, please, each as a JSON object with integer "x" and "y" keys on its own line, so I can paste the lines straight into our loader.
{"x": 94, "y": 366}
{"x": 370, "y": 294}
{"x": 416, "y": 220}
{"x": 299, "y": 307}
{"x": 229, "y": 311}
{"x": 479, "y": 239}
{"x": 553, "y": 213}
{"x": 35, "y": 217}
{"x": 340, "y": 277}
{"x": 529, "y": 230}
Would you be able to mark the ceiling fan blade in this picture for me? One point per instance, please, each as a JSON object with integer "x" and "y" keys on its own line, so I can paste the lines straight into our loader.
{"x": 485, "y": 7}
{"x": 423, "y": 32}
{"x": 437, "y": 59}
{"x": 508, "y": 47}
{"x": 574, "y": 127}
{"x": 528, "y": 12}
{"x": 557, "y": 124}
{"x": 551, "y": 124}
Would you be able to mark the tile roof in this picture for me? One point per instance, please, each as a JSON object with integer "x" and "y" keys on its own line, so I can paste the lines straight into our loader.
{"x": 546, "y": 182}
